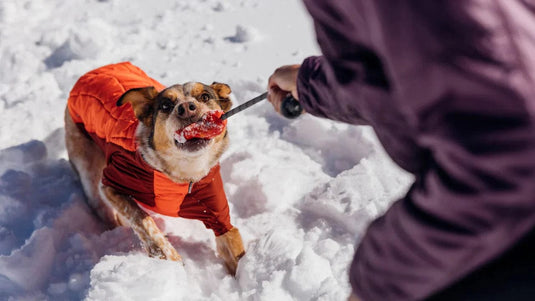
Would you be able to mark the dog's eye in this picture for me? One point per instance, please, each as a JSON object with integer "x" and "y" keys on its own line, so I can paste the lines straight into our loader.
{"x": 205, "y": 97}
{"x": 166, "y": 106}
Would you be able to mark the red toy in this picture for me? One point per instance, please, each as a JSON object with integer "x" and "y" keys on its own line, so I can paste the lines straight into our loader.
{"x": 208, "y": 127}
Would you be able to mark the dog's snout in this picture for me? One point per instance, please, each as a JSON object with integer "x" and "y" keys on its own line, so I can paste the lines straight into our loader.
{"x": 187, "y": 109}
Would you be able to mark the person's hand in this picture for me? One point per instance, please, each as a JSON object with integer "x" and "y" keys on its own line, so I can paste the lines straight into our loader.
{"x": 282, "y": 82}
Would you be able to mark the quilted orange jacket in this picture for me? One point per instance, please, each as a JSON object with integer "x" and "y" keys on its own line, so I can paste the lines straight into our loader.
{"x": 92, "y": 106}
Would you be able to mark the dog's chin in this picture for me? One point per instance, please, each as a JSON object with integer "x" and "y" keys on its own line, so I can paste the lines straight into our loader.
{"x": 193, "y": 145}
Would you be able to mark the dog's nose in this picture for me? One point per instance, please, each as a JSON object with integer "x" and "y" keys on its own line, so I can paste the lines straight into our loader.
{"x": 187, "y": 109}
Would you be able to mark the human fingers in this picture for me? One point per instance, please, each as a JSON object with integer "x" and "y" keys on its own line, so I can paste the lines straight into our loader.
{"x": 275, "y": 97}
{"x": 285, "y": 79}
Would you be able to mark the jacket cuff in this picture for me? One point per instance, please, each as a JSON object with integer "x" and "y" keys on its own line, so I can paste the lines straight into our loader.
{"x": 309, "y": 72}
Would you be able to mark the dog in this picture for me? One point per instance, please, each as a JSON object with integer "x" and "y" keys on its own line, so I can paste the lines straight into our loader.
{"x": 120, "y": 129}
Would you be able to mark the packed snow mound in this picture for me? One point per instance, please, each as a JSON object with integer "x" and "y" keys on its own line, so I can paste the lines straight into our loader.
{"x": 301, "y": 191}
{"x": 49, "y": 239}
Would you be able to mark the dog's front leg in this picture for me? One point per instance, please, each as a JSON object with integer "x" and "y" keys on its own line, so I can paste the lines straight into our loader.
{"x": 230, "y": 249}
{"x": 143, "y": 225}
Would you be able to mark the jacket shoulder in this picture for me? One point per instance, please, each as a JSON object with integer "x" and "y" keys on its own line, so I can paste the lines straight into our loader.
{"x": 92, "y": 101}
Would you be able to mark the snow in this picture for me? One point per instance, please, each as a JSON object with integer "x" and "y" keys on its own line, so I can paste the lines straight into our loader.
{"x": 301, "y": 191}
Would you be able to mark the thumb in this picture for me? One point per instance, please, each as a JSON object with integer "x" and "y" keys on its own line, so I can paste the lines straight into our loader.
{"x": 275, "y": 97}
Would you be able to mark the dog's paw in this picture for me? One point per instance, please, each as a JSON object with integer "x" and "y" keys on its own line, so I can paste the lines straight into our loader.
{"x": 172, "y": 254}
{"x": 163, "y": 252}
{"x": 154, "y": 251}
{"x": 230, "y": 249}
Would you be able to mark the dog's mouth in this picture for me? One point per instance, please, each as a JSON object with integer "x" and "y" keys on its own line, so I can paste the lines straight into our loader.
{"x": 197, "y": 135}
{"x": 192, "y": 145}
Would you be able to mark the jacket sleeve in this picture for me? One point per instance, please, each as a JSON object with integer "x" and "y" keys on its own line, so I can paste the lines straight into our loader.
{"x": 319, "y": 98}
{"x": 317, "y": 95}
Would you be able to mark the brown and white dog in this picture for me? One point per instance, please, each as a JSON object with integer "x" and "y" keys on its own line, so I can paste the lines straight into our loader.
{"x": 120, "y": 136}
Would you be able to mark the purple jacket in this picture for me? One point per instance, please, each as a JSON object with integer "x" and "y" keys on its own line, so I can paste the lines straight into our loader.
{"x": 449, "y": 87}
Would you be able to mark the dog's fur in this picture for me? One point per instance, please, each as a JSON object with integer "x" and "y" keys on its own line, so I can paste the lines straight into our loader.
{"x": 160, "y": 115}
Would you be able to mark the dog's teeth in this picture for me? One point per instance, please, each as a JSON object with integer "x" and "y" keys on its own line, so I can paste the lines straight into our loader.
{"x": 180, "y": 138}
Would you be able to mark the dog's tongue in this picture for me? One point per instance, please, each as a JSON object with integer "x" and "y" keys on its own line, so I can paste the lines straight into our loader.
{"x": 208, "y": 127}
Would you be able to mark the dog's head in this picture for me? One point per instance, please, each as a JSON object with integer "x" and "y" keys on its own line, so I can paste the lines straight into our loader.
{"x": 162, "y": 114}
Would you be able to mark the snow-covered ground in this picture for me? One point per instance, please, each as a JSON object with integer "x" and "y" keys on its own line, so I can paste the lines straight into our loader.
{"x": 301, "y": 191}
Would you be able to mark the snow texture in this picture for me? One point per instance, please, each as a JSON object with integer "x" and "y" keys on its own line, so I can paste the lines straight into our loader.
{"x": 300, "y": 191}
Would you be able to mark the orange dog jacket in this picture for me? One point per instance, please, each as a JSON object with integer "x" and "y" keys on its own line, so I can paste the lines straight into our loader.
{"x": 92, "y": 106}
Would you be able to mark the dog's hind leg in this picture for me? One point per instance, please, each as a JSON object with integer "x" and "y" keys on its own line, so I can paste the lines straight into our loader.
{"x": 88, "y": 161}
{"x": 153, "y": 240}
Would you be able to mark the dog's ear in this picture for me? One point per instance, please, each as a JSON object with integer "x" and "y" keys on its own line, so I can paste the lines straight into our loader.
{"x": 223, "y": 94}
{"x": 142, "y": 101}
